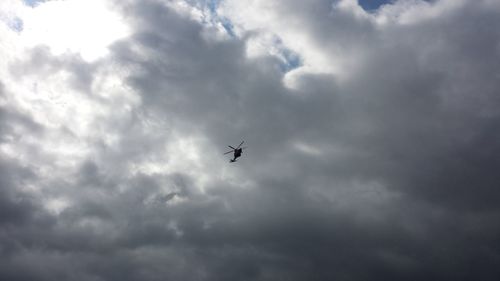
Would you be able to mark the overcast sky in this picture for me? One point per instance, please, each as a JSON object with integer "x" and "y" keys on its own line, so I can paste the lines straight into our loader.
{"x": 373, "y": 134}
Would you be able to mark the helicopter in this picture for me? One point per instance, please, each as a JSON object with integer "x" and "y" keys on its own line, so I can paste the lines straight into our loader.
{"x": 237, "y": 152}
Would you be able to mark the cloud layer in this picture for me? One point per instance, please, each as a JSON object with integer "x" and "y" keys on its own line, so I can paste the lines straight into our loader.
{"x": 372, "y": 141}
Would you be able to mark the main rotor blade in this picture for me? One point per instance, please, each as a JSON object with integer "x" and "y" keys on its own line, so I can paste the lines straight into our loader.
{"x": 231, "y": 147}
{"x": 245, "y": 147}
{"x": 228, "y": 152}
{"x": 241, "y": 144}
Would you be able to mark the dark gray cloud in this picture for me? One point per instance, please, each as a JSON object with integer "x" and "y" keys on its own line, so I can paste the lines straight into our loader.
{"x": 41, "y": 63}
{"x": 386, "y": 172}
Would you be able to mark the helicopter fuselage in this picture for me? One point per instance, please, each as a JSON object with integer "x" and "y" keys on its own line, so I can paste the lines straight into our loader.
{"x": 237, "y": 152}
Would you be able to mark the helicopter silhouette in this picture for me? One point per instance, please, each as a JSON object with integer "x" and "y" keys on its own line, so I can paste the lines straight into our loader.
{"x": 237, "y": 152}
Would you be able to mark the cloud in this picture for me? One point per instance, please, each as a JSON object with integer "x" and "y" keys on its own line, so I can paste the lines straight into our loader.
{"x": 373, "y": 158}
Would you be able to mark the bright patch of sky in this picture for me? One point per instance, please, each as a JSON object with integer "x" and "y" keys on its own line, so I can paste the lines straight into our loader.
{"x": 9, "y": 15}
{"x": 228, "y": 26}
{"x": 33, "y": 3}
{"x": 14, "y": 23}
{"x": 215, "y": 18}
{"x": 17, "y": 24}
{"x": 370, "y": 5}
{"x": 64, "y": 26}
{"x": 289, "y": 59}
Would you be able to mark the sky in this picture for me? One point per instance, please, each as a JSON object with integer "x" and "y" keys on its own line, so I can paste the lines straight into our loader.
{"x": 370, "y": 5}
{"x": 371, "y": 127}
